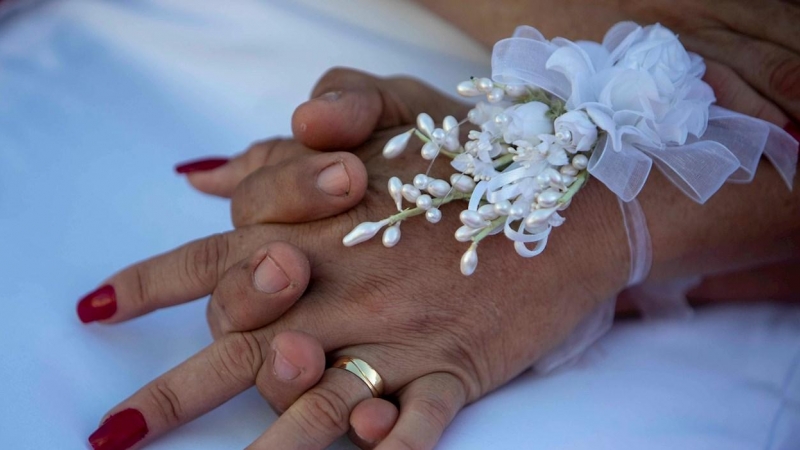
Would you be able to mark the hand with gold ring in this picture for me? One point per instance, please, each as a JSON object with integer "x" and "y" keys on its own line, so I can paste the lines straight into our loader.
{"x": 436, "y": 343}
{"x": 438, "y": 340}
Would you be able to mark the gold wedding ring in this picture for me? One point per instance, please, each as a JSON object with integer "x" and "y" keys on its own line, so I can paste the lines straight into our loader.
{"x": 361, "y": 369}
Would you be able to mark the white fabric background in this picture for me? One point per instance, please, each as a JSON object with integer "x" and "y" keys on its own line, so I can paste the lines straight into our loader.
{"x": 98, "y": 101}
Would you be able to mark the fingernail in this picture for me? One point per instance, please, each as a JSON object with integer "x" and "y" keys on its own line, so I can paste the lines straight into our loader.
{"x": 120, "y": 431}
{"x": 792, "y": 129}
{"x": 333, "y": 180}
{"x": 270, "y": 278}
{"x": 330, "y": 96}
{"x": 98, "y": 305}
{"x": 282, "y": 368}
{"x": 200, "y": 165}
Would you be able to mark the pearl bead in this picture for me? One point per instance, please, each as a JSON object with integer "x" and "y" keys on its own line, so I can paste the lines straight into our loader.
{"x": 538, "y": 217}
{"x": 450, "y": 123}
{"x": 363, "y": 232}
{"x": 462, "y": 183}
{"x": 421, "y": 181}
{"x": 484, "y": 85}
{"x": 564, "y": 136}
{"x": 501, "y": 119}
{"x": 439, "y": 188}
{"x": 516, "y": 90}
{"x": 424, "y": 201}
{"x": 425, "y": 124}
{"x": 580, "y": 162}
{"x": 439, "y": 136}
{"x": 472, "y": 219}
{"x": 429, "y": 151}
{"x": 568, "y": 170}
{"x": 465, "y": 233}
{"x": 517, "y": 211}
{"x": 495, "y": 95}
{"x": 487, "y": 212}
{"x": 391, "y": 236}
{"x": 410, "y": 193}
{"x": 396, "y": 145}
{"x": 473, "y": 116}
{"x": 502, "y": 208}
{"x": 451, "y": 143}
{"x": 568, "y": 180}
{"x": 543, "y": 179}
{"x": 467, "y": 89}
{"x": 469, "y": 262}
{"x": 433, "y": 215}
{"x": 395, "y": 190}
{"x": 548, "y": 198}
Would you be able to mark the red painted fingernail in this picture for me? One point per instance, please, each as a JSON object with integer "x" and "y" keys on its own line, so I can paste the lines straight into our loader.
{"x": 792, "y": 129}
{"x": 120, "y": 431}
{"x": 98, "y": 305}
{"x": 201, "y": 165}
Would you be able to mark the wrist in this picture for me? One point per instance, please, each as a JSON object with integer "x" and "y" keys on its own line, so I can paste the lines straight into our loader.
{"x": 728, "y": 231}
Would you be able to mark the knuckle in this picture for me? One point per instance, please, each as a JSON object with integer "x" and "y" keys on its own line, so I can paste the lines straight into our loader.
{"x": 166, "y": 402}
{"x": 435, "y": 409}
{"x": 144, "y": 300}
{"x": 204, "y": 260}
{"x": 260, "y": 153}
{"x": 784, "y": 77}
{"x": 324, "y": 413}
{"x": 238, "y": 357}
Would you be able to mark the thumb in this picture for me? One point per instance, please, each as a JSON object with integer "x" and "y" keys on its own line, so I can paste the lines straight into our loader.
{"x": 348, "y": 106}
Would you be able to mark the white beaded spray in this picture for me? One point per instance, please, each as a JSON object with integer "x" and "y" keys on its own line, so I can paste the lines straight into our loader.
{"x": 517, "y": 170}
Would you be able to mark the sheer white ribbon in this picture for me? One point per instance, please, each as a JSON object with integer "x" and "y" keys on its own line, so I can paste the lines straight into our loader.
{"x": 728, "y": 150}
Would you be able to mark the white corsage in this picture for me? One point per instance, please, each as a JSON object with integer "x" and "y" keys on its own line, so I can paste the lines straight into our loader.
{"x": 559, "y": 111}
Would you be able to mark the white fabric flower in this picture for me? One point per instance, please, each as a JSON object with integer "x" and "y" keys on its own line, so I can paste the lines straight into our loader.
{"x": 579, "y": 131}
{"x": 640, "y": 84}
{"x": 526, "y": 122}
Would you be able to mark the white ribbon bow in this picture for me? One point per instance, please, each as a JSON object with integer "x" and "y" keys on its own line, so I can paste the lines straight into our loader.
{"x": 728, "y": 150}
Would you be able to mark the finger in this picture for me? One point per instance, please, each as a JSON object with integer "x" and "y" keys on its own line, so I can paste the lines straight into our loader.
{"x": 300, "y": 189}
{"x": 427, "y": 406}
{"x": 208, "y": 379}
{"x": 200, "y": 384}
{"x": 770, "y": 21}
{"x": 184, "y": 274}
{"x": 318, "y": 417}
{"x": 734, "y": 93}
{"x": 219, "y": 176}
{"x": 371, "y": 421}
{"x": 259, "y": 289}
{"x": 322, "y": 414}
{"x": 348, "y": 106}
{"x": 772, "y": 70}
{"x": 298, "y": 362}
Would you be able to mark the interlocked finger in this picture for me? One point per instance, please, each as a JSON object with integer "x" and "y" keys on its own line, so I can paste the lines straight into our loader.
{"x": 301, "y": 189}
{"x": 226, "y": 175}
{"x": 259, "y": 289}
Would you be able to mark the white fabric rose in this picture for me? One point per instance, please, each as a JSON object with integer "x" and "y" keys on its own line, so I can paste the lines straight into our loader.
{"x": 640, "y": 85}
{"x": 578, "y": 131}
{"x": 526, "y": 122}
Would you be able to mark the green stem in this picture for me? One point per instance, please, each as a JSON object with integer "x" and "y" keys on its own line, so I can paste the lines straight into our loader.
{"x": 580, "y": 180}
{"x": 437, "y": 202}
{"x": 503, "y": 161}
{"x": 485, "y": 232}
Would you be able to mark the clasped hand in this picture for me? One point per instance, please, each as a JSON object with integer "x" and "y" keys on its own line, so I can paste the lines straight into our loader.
{"x": 283, "y": 296}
